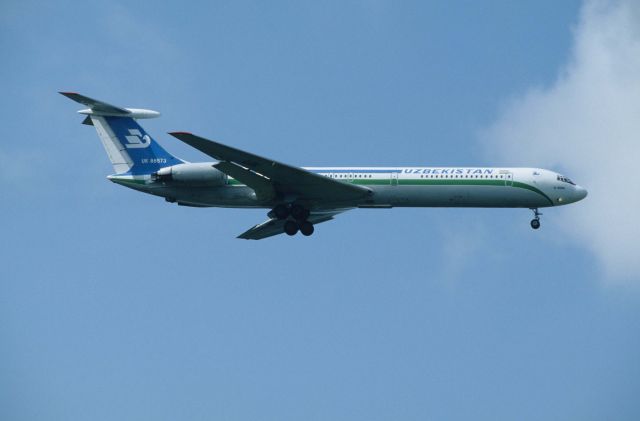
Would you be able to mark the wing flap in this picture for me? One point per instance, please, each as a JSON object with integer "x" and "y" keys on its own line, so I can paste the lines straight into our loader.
{"x": 261, "y": 185}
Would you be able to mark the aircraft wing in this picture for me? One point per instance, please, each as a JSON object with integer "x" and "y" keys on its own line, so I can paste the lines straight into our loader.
{"x": 285, "y": 180}
{"x": 94, "y": 104}
{"x": 275, "y": 226}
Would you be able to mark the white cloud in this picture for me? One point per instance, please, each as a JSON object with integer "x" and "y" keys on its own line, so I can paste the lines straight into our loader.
{"x": 587, "y": 123}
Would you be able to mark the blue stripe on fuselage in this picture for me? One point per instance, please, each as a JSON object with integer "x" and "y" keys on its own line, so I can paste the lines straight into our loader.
{"x": 327, "y": 170}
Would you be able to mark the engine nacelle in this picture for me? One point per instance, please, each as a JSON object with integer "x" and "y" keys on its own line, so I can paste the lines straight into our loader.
{"x": 197, "y": 174}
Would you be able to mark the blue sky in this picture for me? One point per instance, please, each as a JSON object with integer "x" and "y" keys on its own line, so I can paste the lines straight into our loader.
{"x": 116, "y": 305}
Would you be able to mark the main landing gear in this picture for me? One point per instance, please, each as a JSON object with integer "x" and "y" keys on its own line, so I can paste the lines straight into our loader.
{"x": 296, "y": 219}
{"x": 292, "y": 227}
{"x": 535, "y": 222}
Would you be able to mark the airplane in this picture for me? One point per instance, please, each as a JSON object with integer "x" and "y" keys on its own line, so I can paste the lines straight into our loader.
{"x": 299, "y": 198}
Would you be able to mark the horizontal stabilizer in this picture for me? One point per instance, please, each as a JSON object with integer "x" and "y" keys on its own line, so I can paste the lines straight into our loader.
{"x": 95, "y": 105}
{"x": 100, "y": 108}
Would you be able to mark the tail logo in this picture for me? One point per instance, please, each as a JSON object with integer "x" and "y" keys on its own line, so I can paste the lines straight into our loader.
{"x": 135, "y": 139}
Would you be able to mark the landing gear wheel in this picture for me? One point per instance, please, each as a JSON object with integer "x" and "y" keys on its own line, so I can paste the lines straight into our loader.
{"x": 306, "y": 228}
{"x": 535, "y": 222}
{"x": 291, "y": 228}
{"x": 281, "y": 211}
{"x": 299, "y": 213}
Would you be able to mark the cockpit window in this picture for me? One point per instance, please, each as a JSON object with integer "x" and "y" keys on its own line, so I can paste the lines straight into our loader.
{"x": 565, "y": 180}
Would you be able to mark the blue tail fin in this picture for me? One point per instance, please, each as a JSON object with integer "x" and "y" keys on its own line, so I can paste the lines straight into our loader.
{"x": 138, "y": 150}
{"x": 130, "y": 149}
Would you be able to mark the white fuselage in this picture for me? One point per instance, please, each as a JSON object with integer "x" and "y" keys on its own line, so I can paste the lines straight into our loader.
{"x": 397, "y": 186}
{"x": 300, "y": 198}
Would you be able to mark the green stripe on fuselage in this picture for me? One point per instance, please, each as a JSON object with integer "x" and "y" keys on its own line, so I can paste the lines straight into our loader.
{"x": 432, "y": 182}
{"x": 463, "y": 182}
{"x": 533, "y": 189}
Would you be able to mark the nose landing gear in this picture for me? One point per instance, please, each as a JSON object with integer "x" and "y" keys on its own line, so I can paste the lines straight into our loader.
{"x": 535, "y": 222}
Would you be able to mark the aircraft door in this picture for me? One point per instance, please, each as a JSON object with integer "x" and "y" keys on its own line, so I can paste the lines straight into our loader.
{"x": 508, "y": 179}
{"x": 394, "y": 178}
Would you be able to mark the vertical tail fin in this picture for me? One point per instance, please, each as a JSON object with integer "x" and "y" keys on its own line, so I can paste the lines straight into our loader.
{"x": 129, "y": 147}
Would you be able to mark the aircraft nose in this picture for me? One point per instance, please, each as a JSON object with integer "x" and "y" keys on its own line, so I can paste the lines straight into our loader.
{"x": 581, "y": 193}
